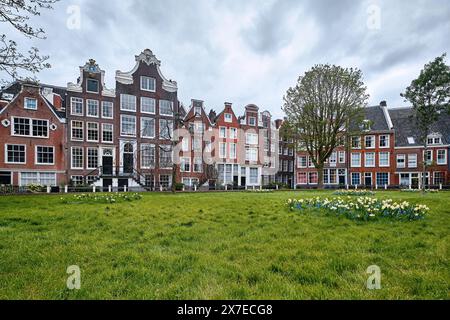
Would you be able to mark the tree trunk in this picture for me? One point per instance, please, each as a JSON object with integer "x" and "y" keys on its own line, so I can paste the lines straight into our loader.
{"x": 424, "y": 169}
{"x": 320, "y": 177}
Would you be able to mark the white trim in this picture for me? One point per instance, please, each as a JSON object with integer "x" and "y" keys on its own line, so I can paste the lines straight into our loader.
{"x": 102, "y": 109}
{"x": 71, "y": 130}
{"x": 87, "y": 108}
{"x": 87, "y": 157}
{"x": 388, "y": 157}
{"x": 6, "y": 153}
{"x": 445, "y": 158}
{"x": 112, "y": 131}
{"x": 30, "y": 128}
{"x": 374, "y": 160}
{"x": 374, "y": 142}
{"x": 135, "y": 125}
{"x": 142, "y": 128}
{"x": 388, "y": 140}
{"x": 87, "y": 131}
{"x": 25, "y": 103}
{"x": 147, "y": 90}
{"x": 71, "y": 158}
{"x": 36, "y": 156}
{"x": 129, "y": 95}
{"x": 154, "y": 106}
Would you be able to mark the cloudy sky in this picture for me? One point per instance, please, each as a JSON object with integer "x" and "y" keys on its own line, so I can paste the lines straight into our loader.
{"x": 246, "y": 51}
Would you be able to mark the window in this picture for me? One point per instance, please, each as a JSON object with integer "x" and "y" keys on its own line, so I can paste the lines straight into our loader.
{"x": 356, "y": 142}
{"x": 40, "y": 178}
{"x": 30, "y": 127}
{"x": 434, "y": 139}
{"x": 222, "y": 150}
{"x": 45, "y": 155}
{"x": 148, "y": 84}
{"x": 92, "y": 85}
{"x": 228, "y": 117}
{"x": 165, "y": 156}
{"x": 442, "y": 157}
{"x": 254, "y": 175}
{"x": 15, "y": 153}
{"x": 185, "y": 144}
{"x": 77, "y": 130}
{"x": 341, "y": 156}
{"x": 92, "y": 132}
{"x": 76, "y": 106}
{"x": 92, "y": 108}
{"x": 438, "y": 178}
{"x": 127, "y": 102}
{"x": 411, "y": 140}
{"x": 127, "y": 125}
{"x": 251, "y": 138}
{"x": 370, "y": 142}
{"x": 148, "y": 105}
{"x": 313, "y": 178}
{"x": 77, "y": 180}
{"x": 77, "y": 158}
{"x": 165, "y": 108}
{"x": 222, "y": 132}
{"x": 252, "y": 121}
{"x": 382, "y": 178}
{"x": 251, "y": 154}
{"x": 302, "y": 161}
{"x": 147, "y": 127}
{"x": 369, "y": 160}
{"x": 40, "y": 128}
{"x": 198, "y": 165}
{"x": 30, "y": 103}
{"x": 384, "y": 159}
{"x": 232, "y": 150}
{"x": 165, "y": 129}
{"x": 384, "y": 141}
{"x": 302, "y": 178}
{"x": 198, "y": 111}
{"x": 185, "y": 165}
{"x": 428, "y": 157}
{"x": 333, "y": 159}
{"x": 165, "y": 180}
{"x": 92, "y": 158}
{"x": 147, "y": 156}
{"x": 233, "y": 133}
{"x": 208, "y": 148}
{"x": 107, "y": 132}
{"x": 401, "y": 161}
{"x": 107, "y": 110}
{"x": 356, "y": 178}
{"x": 412, "y": 160}
{"x": 21, "y": 127}
{"x": 356, "y": 160}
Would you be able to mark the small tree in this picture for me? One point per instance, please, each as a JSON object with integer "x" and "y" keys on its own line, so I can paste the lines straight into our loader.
{"x": 321, "y": 107}
{"x": 16, "y": 14}
{"x": 429, "y": 95}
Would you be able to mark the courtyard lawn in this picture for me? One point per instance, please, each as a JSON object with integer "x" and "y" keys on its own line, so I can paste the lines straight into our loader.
{"x": 218, "y": 246}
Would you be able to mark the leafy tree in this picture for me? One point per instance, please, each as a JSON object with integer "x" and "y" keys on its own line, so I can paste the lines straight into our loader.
{"x": 429, "y": 95}
{"x": 17, "y": 13}
{"x": 326, "y": 103}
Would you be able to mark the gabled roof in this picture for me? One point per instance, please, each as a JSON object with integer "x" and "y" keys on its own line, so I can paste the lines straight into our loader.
{"x": 377, "y": 117}
{"x": 405, "y": 127}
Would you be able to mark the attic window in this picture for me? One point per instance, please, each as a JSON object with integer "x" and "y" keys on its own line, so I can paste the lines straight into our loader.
{"x": 434, "y": 139}
{"x": 92, "y": 85}
{"x": 411, "y": 140}
{"x": 366, "y": 125}
{"x": 30, "y": 104}
{"x": 198, "y": 111}
{"x": 228, "y": 117}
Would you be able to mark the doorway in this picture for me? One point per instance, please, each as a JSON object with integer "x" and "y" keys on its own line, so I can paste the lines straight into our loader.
{"x": 368, "y": 179}
{"x": 128, "y": 158}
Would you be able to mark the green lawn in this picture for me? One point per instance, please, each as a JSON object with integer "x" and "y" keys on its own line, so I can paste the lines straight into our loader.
{"x": 218, "y": 246}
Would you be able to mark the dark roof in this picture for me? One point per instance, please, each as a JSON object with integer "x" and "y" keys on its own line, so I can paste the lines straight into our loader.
{"x": 376, "y": 116}
{"x": 405, "y": 127}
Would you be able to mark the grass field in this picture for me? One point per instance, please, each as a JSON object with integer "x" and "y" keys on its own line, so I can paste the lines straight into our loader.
{"x": 218, "y": 246}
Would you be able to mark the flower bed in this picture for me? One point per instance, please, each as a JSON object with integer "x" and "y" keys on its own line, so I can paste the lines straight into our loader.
{"x": 362, "y": 208}
{"x": 102, "y": 198}
{"x": 354, "y": 193}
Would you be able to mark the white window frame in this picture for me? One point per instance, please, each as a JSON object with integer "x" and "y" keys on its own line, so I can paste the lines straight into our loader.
{"x": 142, "y": 127}
{"x": 233, "y": 151}
{"x": 148, "y": 78}
{"x": 366, "y": 165}
{"x": 87, "y": 132}
{"x": 122, "y": 116}
{"x": 228, "y": 117}
{"x": 183, "y": 162}
{"x": 30, "y": 129}
{"x": 87, "y": 158}
{"x": 112, "y": 132}
{"x": 147, "y": 145}
{"x": 399, "y": 157}
{"x": 171, "y": 108}
{"x": 36, "y": 156}
{"x": 412, "y": 156}
{"x": 142, "y": 104}
{"x": 87, "y": 108}
{"x": 233, "y": 133}
{"x": 15, "y": 144}
{"x": 30, "y": 99}
{"x": 445, "y": 157}
{"x": 374, "y": 142}
{"x": 222, "y": 132}
{"x": 103, "y": 109}
{"x": 352, "y": 164}
{"x": 71, "y": 130}
{"x": 71, "y": 158}
{"x": 72, "y": 104}
{"x": 222, "y": 150}
{"x": 122, "y": 96}
{"x": 380, "y": 159}
{"x": 341, "y": 156}
{"x": 388, "y": 140}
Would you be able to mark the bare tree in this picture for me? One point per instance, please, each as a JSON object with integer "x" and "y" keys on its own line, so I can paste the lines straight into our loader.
{"x": 17, "y": 13}
{"x": 326, "y": 103}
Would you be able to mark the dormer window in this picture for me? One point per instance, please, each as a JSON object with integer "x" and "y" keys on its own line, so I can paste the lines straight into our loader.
{"x": 252, "y": 121}
{"x": 30, "y": 103}
{"x": 148, "y": 84}
{"x": 228, "y": 117}
{"x": 434, "y": 140}
{"x": 366, "y": 125}
{"x": 411, "y": 140}
{"x": 198, "y": 111}
{"x": 92, "y": 86}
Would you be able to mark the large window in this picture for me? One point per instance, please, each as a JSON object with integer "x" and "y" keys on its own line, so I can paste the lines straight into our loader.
{"x": 356, "y": 160}
{"x": 40, "y": 178}
{"x": 198, "y": 165}
{"x": 77, "y": 158}
{"x": 222, "y": 150}
{"x": 302, "y": 162}
{"x": 147, "y": 127}
{"x": 228, "y": 117}
{"x": 384, "y": 141}
{"x": 382, "y": 178}
{"x": 77, "y": 130}
{"x": 251, "y": 138}
{"x": 92, "y": 132}
{"x": 148, "y": 105}
{"x": 76, "y": 106}
{"x": 401, "y": 161}
{"x": 127, "y": 102}
{"x": 251, "y": 154}
{"x": 148, "y": 84}
{"x": 127, "y": 125}
{"x": 222, "y": 132}
{"x": 384, "y": 159}
{"x": 356, "y": 142}
{"x": 92, "y": 158}
{"x": 302, "y": 178}
{"x": 15, "y": 153}
{"x": 92, "y": 108}
{"x": 45, "y": 155}
{"x": 412, "y": 160}
{"x": 369, "y": 142}
{"x": 107, "y": 110}
{"x": 428, "y": 157}
{"x": 165, "y": 180}
{"x": 369, "y": 158}
{"x": 107, "y": 132}
{"x": 30, "y": 127}
{"x": 147, "y": 156}
{"x": 92, "y": 85}
{"x": 356, "y": 178}
{"x": 30, "y": 103}
{"x": 21, "y": 126}
{"x": 165, "y": 129}
{"x": 442, "y": 157}
{"x": 165, "y": 156}
{"x": 438, "y": 178}
{"x": 233, "y": 150}
{"x": 254, "y": 175}
{"x": 165, "y": 107}
{"x": 40, "y": 128}
{"x": 341, "y": 156}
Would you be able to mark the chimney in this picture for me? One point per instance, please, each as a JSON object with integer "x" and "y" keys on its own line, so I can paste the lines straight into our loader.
{"x": 383, "y": 104}
{"x": 278, "y": 123}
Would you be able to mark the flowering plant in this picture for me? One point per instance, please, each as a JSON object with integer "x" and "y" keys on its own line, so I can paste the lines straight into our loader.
{"x": 362, "y": 208}
{"x": 102, "y": 198}
{"x": 357, "y": 193}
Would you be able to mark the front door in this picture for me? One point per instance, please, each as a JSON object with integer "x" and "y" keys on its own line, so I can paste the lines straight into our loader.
{"x": 107, "y": 165}
{"x": 128, "y": 158}
{"x": 342, "y": 177}
{"x": 243, "y": 182}
{"x": 368, "y": 179}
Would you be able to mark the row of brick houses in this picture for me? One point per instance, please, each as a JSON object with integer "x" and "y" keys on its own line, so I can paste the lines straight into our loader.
{"x": 138, "y": 134}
